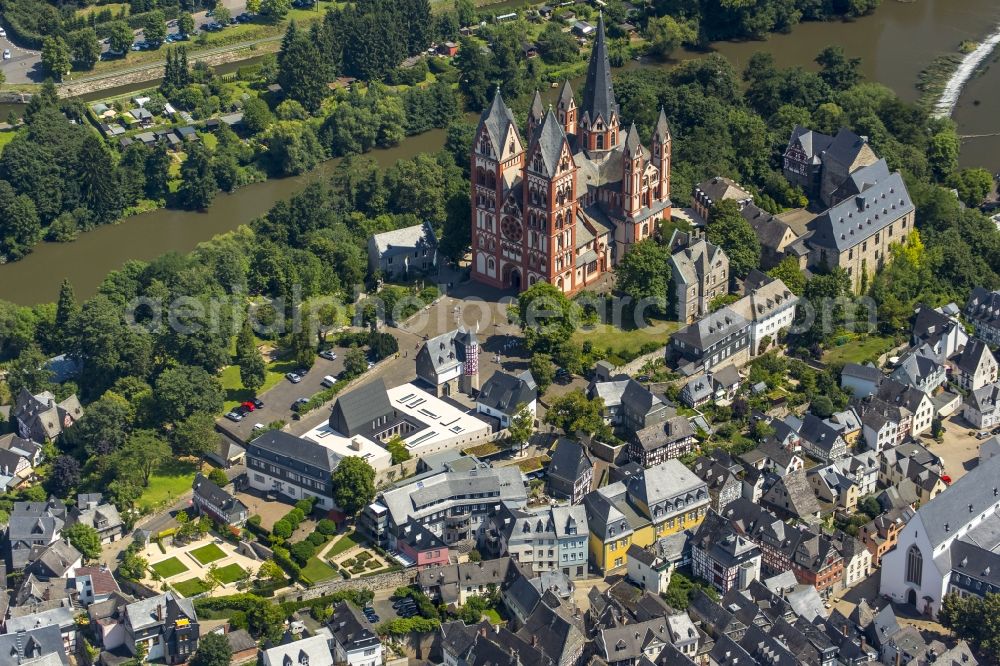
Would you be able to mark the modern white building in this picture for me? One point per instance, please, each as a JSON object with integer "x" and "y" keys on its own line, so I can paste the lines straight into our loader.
{"x": 366, "y": 419}
{"x": 951, "y": 545}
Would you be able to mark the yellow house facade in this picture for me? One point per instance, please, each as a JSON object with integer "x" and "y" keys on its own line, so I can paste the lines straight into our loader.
{"x": 663, "y": 500}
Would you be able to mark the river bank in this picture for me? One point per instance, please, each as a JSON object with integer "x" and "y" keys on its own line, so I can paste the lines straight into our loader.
{"x": 966, "y": 69}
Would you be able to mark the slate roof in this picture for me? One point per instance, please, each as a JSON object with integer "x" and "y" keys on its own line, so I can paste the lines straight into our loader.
{"x": 951, "y": 508}
{"x": 503, "y": 391}
{"x": 630, "y": 641}
{"x": 551, "y": 139}
{"x": 569, "y": 460}
{"x": 856, "y": 218}
{"x": 983, "y": 307}
{"x": 351, "y": 629}
{"x": 812, "y": 143}
{"x": 443, "y": 353}
{"x": 497, "y": 119}
{"x": 696, "y": 260}
{"x": 32, "y": 646}
{"x": 658, "y": 435}
{"x": 721, "y": 188}
{"x": 711, "y": 329}
{"x": 598, "y": 91}
{"x": 295, "y": 449}
{"x": 866, "y": 372}
{"x": 801, "y": 499}
{"x": 664, "y": 481}
{"x": 356, "y": 410}
{"x": 819, "y": 433}
{"x": 216, "y": 496}
{"x": 973, "y": 354}
{"x": 56, "y": 559}
{"x": 405, "y": 240}
{"x": 312, "y": 650}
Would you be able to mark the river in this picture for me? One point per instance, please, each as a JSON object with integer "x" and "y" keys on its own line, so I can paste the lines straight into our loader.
{"x": 898, "y": 41}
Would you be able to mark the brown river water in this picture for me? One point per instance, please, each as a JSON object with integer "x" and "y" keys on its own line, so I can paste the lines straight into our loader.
{"x": 895, "y": 44}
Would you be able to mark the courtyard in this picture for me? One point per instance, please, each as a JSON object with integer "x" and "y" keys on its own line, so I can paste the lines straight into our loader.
{"x": 344, "y": 552}
{"x": 208, "y": 565}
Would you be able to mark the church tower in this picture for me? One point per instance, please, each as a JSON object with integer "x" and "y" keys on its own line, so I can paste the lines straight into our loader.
{"x": 497, "y": 161}
{"x": 566, "y": 109}
{"x": 632, "y": 173}
{"x": 662, "y": 155}
{"x": 599, "y": 116}
{"x": 550, "y": 207}
{"x": 536, "y": 114}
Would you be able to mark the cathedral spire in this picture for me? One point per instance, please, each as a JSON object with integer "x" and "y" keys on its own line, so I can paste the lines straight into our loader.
{"x": 598, "y": 93}
{"x": 662, "y": 129}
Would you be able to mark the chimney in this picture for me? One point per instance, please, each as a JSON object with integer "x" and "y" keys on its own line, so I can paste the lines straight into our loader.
{"x": 843, "y": 630}
{"x": 159, "y": 613}
{"x": 899, "y": 657}
{"x": 534, "y": 640}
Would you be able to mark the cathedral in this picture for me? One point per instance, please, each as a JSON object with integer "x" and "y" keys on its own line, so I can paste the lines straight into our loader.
{"x": 566, "y": 201}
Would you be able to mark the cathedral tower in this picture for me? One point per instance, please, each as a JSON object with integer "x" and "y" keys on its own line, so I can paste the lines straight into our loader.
{"x": 598, "y": 120}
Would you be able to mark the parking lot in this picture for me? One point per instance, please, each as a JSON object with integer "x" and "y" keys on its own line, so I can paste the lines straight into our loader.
{"x": 960, "y": 449}
{"x": 23, "y": 66}
{"x": 278, "y": 400}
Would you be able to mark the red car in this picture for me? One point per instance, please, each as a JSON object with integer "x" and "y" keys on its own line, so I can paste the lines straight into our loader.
{"x": 946, "y": 479}
{"x": 249, "y": 405}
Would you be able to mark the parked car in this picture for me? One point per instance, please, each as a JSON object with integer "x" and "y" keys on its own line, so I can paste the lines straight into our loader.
{"x": 328, "y": 381}
{"x": 242, "y": 410}
{"x": 3, "y": 33}
{"x": 249, "y": 405}
{"x": 302, "y": 372}
{"x": 257, "y": 427}
{"x": 6, "y": 54}
{"x": 982, "y": 434}
{"x": 293, "y": 377}
{"x": 328, "y": 354}
{"x": 234, "y": 416}
{"x": 257, "y": 402}
{"x": 298, "y": 404}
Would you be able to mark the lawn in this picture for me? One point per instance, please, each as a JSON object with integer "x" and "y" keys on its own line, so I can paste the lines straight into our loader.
{"x": 318, "y": 571}
{"x": 857, "y": 351}
{"x": 607, "y": 336}
{"x": 167, "y": 484}
{"x": 6, "y": 136}
{"x": 229, "y": 573}
{"x": 493, "y": 616}
{"x": 344, "y": 544}
{"x": 191, "y": 587}
{"x": 208, "y": 553}
{"x": 168, "y": 568}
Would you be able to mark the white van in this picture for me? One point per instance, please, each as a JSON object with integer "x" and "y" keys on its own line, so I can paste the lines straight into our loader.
{"x": 328, "y": 381}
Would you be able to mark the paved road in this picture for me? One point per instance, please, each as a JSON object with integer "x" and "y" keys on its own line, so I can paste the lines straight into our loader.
{"x": 24, "y": 66}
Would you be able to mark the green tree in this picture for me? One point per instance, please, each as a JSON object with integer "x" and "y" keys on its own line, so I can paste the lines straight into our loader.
{"x": 198, "y": 186}
{"x": 476, "y": 76}
{"x": 105, "y": 425}
{"x": 85, "y": 48}
{"x": 275, "y": 9}
{"x": 397, "y": 448}
{"x": 543, "y": 370}
{"x": 64, "y": 476}
{"x": 154, "y": 28}
{"x": 355, "y": 363}
{"x": 302, "y": 70}
{"x": 28, "y": 371}
{"x": 557, "y": 46}
{"x": 222, "y": 14}
{"x": 144, "y": 451}
{"x": 56, "y": 57}
{"x": 574, "y": 412}
{"x": 185, "y": 23}
{"x": 253, "y": 6}
{"x": 252, "y": 370}
{"x": 157, "y": 171}
{"x": 85, "y": 539}
{"x": 973, "y": 185}
{"x": 195, "y": 435}
{"x": 292, "y": 147}
{"x": 522, "y": 424}
{"x": 547, "y": 317}
{"x": 257, "y": 116}
{"x": 942, "y": 152}
{"x": 213, "y": 650}
{"x": 730, "y": 231}
{"x": 839, "y": 71}
{"x": 666, "y": 34}
{"x": 20, "y": 226}
{"x": 466, "y": 11}
{"x": 353, "y": 485}
{"x": 133, "y": 566}
{"x": 643, "y": 274}
{"x": 788, "y": 271}
{"x": 185, "y": 390}
{"x": 120, "y": 38}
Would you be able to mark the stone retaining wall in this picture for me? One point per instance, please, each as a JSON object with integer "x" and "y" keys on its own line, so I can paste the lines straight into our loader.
{"x": 389, "y": 580}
